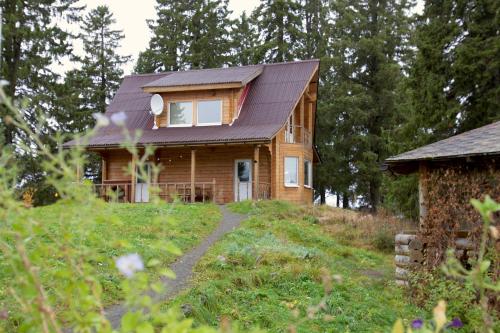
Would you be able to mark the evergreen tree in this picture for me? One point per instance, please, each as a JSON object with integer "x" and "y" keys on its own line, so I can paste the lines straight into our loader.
{"x": 368, "y": 45}
{"x": 209, "y": 43}
{"x": 32, "y": 41}
{"x": 101, "y": 73}
{"x": 191, "y": 34}
{"x": 280, "y": 27}
{"x": 456, "y": 75}
{"x": 244, "y": 39}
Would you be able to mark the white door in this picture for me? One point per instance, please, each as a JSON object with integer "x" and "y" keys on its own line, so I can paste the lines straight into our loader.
{"x": 142, "y": 185}
{"x": 242, "y": 180}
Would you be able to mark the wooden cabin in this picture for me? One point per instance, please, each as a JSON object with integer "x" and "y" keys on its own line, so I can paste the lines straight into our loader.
{"x": 225, "y": 134}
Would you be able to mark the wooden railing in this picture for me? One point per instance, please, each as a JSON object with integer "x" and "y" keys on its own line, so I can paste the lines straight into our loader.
{"x": 122, "y": 192}
{"x": 264, "y": 191}
{"x": 299, "y": 135}
{"x": 247, "y": 191}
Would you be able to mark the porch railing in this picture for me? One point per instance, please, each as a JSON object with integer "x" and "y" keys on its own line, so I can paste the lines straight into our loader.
{"x": 246, "y": 190}
{"x": 122, "y": 192}
{"x": 299, "y": 134}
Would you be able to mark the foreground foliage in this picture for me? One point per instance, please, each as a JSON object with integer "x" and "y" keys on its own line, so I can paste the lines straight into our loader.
{"x": 281, "y": 269}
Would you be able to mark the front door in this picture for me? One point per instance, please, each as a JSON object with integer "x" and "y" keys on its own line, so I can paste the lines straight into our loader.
{"x": 142, "y": 185}
{"x": 242, "y": 180}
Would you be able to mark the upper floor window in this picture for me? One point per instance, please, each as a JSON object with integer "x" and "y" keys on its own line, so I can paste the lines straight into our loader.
{"x": 289, "y": 129}
{"x": 209, "y": 112}
{"x": 180, "y": 113}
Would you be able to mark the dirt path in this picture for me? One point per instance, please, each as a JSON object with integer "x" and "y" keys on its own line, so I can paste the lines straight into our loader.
{"x": 183, "y": 267}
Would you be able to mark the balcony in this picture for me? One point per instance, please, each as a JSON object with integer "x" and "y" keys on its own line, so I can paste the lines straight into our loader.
{"x": 299, "y": 135}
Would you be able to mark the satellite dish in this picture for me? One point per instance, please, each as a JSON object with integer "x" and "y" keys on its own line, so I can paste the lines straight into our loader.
{"x": 156, "y": 104}
{"x": 156, "y": 107}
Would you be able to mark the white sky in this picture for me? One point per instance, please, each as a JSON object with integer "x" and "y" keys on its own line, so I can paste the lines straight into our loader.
{"x": 131, "y": 18}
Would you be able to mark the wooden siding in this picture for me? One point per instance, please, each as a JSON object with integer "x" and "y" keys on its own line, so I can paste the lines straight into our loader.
{"x": 229, "y": 99}
{"x": 211, "y": 163}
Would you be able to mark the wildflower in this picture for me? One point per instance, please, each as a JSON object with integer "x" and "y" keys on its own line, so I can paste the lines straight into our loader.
{"x": 101, "y": 120}
{"x": 129, "y": 264}
{"x": 456, "y": 323}
{"x": 417, "y": 323}
{"x": 119, "y": 118}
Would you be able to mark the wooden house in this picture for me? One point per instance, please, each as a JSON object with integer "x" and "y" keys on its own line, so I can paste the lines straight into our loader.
{"x": 225, "y": 134}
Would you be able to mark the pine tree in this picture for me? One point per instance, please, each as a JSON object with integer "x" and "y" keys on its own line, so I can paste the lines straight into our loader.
{"x": 209, "y": 35}
{"x": 456, "y": 74}
{"x": 280, "y": 26}
{"x": 191, "y": 34}
{"x": 244, "y": 39}
{"x": 101, "y": 66}
{"x": 368, "y": 45}
{"x": 32, "y": 41}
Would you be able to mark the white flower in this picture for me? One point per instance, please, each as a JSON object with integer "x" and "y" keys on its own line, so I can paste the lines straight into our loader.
{"x": 119, "y": 118}
{"x": 101, "y": 120}
{"x": 129, "y": 264}
{"x": 222, "y": 259}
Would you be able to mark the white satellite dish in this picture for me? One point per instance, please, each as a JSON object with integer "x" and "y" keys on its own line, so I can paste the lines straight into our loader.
{"x": 156, "y": 107}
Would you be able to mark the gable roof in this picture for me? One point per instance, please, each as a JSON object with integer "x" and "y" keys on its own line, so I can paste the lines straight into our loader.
{"x": 271, "y": 98}
{"x": 240, "y": 75}
{"x": 480, "y": 141}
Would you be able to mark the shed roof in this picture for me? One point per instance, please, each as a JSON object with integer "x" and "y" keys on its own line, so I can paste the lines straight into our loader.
{"x": 241, "y": 75}
{"x": 480, "y": 141}
{"x": 271, "y": 98}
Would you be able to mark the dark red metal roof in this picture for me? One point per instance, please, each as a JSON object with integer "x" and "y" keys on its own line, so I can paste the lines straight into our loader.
{"x": 241, "y": 75}
{"x": 270, "y": 100}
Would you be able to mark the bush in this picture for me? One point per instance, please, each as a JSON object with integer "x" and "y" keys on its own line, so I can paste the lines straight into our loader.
{"x": 383, "y": 240}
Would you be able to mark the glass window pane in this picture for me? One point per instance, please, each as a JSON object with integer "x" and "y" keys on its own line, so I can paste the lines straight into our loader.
{"x": 243, "y": 171}
{"x": 181, "y": 113}
{"x": 291, "y": 172}
{"x": 306, "y": 173}
{"x": 210, "y": 112}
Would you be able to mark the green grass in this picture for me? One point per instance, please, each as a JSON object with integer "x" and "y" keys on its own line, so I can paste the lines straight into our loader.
{"x": 274, "y": 267}
{"x": 112, "y": 230}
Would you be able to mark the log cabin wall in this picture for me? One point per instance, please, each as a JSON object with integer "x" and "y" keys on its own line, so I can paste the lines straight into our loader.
{"x": 229, "y": 98}
{"x": 216, "y": 162}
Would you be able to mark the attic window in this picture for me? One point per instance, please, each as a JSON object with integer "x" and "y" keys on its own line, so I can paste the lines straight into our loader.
{"x": 209, "y": 112}
{"x": 180, "y": 114}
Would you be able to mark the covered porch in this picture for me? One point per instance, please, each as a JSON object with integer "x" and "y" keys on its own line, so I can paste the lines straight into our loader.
{"x": 220, "y": 174}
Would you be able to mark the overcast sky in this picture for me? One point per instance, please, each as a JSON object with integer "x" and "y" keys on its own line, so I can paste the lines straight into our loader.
{"x": 131, "y": 18}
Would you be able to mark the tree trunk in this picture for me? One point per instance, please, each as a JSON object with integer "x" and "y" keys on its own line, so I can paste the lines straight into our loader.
{"x": 345, "y": 201}
{"x": 322, "y": 193}
{"x": 337, "y": 195}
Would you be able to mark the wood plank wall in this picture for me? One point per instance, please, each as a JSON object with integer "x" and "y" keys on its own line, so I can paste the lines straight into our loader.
{"x": 211, "y": 163}
{"x": 229, "y": 99}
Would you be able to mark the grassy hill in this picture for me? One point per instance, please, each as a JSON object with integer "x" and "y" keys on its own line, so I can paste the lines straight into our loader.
{"x": 290, "y": 267}
{"x": 112, "y": 230}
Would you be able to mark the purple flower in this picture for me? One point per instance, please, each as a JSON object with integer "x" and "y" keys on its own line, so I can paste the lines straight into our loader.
{"x": 456, "y": 323}
{"x": 417, "y": 323}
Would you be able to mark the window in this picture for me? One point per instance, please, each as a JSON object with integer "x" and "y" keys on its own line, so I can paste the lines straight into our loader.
{"x": 209, "y": 112}
{"x": 291, "y": 171}
{"x": 307, "y": 173}
{"x": 181, "y": 113}
{"x": 289, "y": 130}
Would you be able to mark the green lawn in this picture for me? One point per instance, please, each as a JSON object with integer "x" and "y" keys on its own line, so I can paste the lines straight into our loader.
{"x": 107, "y": 231}
{"x": 272, "y": 269}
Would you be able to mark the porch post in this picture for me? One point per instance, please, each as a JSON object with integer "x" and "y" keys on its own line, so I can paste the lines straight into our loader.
{"x": 256, "y": 163}
{"x": 104, "y": 168}
{"x": 133, "y": 178}
{"x": 302, "y": 129}
{"x": 193, "y": 168}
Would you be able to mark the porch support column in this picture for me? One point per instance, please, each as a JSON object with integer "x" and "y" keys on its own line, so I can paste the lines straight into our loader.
{"x": 302, "y": 129}
{"x": 133, "y": 177}
{"x": 193, "y": 169}
{"x": 256, "y": 162}
{"x": 104, "y": 168}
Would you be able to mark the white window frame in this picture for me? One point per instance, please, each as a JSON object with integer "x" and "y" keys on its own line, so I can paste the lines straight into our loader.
{"x": 180, "y": 125}
{"x": 309, "y": 174}
{"x": 290, "y": 130}
{"x": 198, "y": 112}
{"x": 297, "y": 170}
